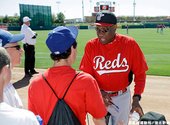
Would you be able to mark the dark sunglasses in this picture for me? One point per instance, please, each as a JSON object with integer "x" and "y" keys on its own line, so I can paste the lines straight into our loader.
{"x": 18, "y": 47}
{"x": 104, "y": 29}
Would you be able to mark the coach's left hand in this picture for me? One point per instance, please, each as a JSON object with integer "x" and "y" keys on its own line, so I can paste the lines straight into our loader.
{"x": 136, "y": 106}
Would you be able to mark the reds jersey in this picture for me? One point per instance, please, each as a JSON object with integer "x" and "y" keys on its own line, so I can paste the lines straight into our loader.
{"x": 80, "y": 96}
{"x": 113, "y": 64}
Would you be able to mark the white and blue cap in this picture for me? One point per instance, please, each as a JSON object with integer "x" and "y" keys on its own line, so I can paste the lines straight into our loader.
{"x": 7, "y": 37}
{"x": 61, "y": 38}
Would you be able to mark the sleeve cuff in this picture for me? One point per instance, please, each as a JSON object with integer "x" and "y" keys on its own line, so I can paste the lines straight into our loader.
{"x": 139, "y": 96}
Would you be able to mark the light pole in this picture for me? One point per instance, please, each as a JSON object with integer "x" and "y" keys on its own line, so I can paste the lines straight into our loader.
{"x": 83, "y": 10}
{"x": 58, "y": 4}
{"x": 90, "y": 6}
{"x": 134, "y": 4}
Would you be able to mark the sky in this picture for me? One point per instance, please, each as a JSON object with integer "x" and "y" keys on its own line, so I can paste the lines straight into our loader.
{"x": 73, "y": 8}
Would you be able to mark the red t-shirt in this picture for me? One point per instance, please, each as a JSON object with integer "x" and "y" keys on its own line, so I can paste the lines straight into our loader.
{"x": 83, "y": 96}
{"x": 111, "y": 64}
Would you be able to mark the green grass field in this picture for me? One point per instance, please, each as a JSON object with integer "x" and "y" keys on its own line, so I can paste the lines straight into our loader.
{"x": 156, "y": 48}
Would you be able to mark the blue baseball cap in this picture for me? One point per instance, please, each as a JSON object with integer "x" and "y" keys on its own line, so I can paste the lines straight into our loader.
{"x": 61, "y": 38}
{"x": 7, "y": 37}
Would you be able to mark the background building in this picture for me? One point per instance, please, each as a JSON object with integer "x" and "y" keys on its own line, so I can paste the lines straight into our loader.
{"x": 41, "y": 15}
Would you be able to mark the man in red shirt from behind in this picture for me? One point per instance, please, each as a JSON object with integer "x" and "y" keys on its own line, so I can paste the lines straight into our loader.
{"x": 112, "y": 59}
{"x": 83, "y": 95}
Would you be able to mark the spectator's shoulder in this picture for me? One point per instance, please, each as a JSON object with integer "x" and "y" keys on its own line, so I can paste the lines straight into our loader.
{"x": 85, "y": 76}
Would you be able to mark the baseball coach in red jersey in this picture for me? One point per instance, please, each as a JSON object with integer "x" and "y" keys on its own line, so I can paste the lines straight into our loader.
{"x": 113, "y": 59}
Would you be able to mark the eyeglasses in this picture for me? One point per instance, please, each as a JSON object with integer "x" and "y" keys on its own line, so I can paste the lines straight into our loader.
{"x": 18, "y": 47}
{"x": 105, "y": 29}
{"x": 102, "y": 30}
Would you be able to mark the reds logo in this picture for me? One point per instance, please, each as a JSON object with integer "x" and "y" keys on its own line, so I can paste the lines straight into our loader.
{"x": 99, "y": 16}
{"x": 109, "y": 66}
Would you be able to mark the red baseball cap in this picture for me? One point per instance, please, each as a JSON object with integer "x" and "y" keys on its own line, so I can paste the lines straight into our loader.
{"x": 105, "y": 19}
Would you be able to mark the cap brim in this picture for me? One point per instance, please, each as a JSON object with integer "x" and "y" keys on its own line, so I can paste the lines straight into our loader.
{"x": 103, "y": 24}
{"x": 17, "y": 38}
{"x": 74, "y": 30}
{"x": 27, "y": 20}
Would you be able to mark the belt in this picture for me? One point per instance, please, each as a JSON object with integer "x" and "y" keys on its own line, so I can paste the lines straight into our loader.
{"x": 117, "y": 93}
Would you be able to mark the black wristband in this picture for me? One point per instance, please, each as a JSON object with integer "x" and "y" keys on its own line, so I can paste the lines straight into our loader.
{"x": 139, "y": 96}
{"x": 34, "y": 37}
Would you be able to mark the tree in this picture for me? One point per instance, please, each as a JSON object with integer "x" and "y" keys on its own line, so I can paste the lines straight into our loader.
{"x": 60, "y": 18}
{"x": 5, "y": 19}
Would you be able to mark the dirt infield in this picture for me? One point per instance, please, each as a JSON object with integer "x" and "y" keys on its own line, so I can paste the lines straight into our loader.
{"x": 155, "y": 98}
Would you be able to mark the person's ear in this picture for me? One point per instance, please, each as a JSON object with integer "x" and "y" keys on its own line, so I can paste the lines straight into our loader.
{"x": 115, "y": 26}
{"x": 4, "y": 71}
